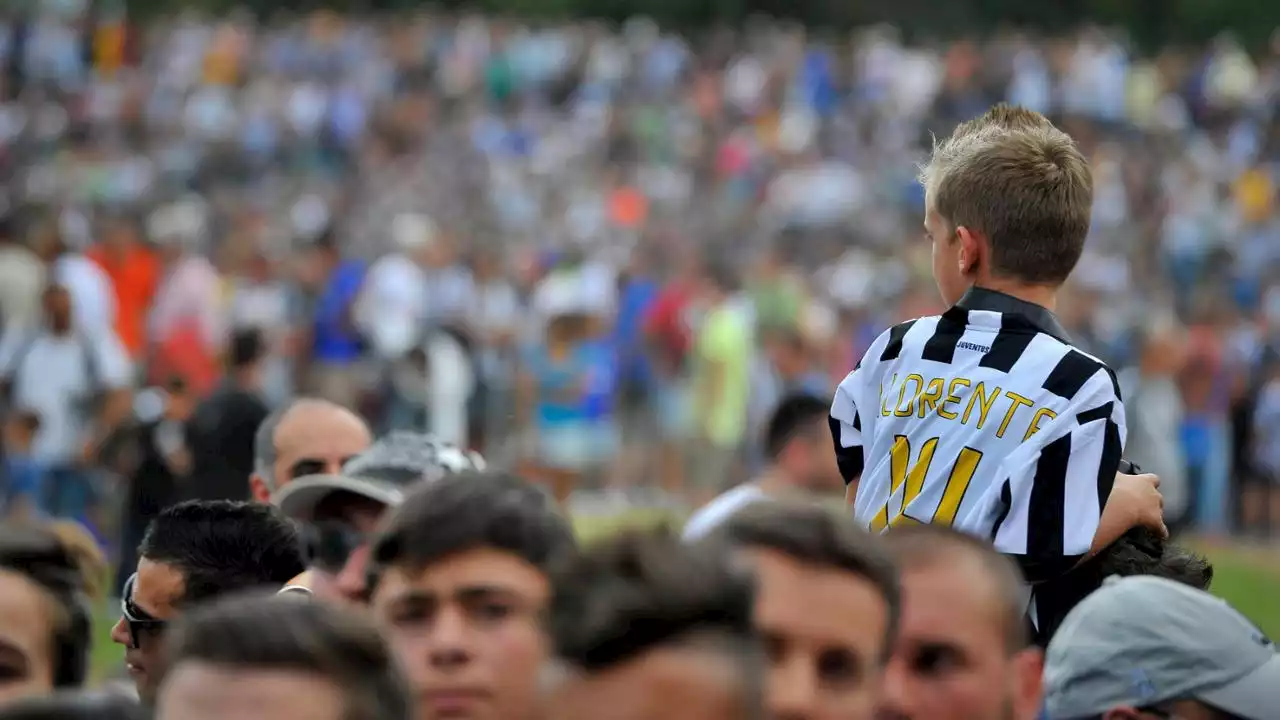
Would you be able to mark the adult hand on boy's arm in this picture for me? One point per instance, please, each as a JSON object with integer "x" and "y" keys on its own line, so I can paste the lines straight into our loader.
{"x": 1135, "y": 501}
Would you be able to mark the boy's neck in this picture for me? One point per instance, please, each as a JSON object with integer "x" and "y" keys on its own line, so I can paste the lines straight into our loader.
{"x": 1046, "y": 296}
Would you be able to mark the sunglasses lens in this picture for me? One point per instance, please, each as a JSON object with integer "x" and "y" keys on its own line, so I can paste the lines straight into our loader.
{"x": 330, "y": 545}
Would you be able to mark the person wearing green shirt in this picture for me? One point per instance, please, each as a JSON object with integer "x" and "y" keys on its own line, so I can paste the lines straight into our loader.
{"x": 722, "y": 356}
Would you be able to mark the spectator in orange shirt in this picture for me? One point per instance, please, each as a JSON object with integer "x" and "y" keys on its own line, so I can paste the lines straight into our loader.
{"x": 134, "y": 271}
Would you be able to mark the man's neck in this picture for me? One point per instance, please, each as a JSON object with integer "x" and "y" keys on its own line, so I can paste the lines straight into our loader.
{"x": 776, "y": 482}
{"x": 1046, "y": 296}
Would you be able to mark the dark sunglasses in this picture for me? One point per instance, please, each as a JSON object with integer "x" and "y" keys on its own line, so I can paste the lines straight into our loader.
{"x": 141, "y": 625}
{"x": 327, "y": 545}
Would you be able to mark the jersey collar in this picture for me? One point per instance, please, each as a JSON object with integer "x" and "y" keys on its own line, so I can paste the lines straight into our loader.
{"x": 1038, "y": 316}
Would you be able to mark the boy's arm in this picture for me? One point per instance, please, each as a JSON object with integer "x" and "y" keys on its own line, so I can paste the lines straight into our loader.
{"x": 846, "y": 430}
{"x": 1056, "y": 489}
{"x": 1134, "y": 501}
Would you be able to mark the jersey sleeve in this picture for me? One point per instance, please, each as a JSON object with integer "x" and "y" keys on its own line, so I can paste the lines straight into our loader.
{"x": 846, "y": 420}
{"x": 1054, "y": 490}
{"x": 846, "y": 425}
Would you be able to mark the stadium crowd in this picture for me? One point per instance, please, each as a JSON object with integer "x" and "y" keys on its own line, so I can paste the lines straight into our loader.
{"x": 340, "y": 183}
{"x": 280, "y": 298}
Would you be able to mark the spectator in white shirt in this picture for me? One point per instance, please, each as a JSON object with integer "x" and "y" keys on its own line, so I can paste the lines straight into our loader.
{"x": 795, "y": 442}
{"x": 77, "y": 383}
{"x": 22, "y": 278}
{"x": 93, "y": 300}
{"x": 391, "y": 309}
{"x": 494, "y": 322}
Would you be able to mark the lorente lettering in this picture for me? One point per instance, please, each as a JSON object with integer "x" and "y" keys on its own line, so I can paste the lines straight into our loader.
{"x": 963, "y": 400}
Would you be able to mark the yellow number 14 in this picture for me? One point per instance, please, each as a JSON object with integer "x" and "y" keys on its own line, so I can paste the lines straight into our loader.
{"x": 903, "y": 471}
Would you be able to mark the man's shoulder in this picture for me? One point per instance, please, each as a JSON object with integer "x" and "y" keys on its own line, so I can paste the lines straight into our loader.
{"x": 724, "y": 506}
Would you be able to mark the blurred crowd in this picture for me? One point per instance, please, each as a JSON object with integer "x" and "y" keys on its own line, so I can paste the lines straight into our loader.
{"x": 600, "y": 254}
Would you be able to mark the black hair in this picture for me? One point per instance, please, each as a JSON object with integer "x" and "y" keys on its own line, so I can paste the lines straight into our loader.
{"x": 40, "y": 556}
{"x": 74, "y": 706}
{"x": 794, "y": 415}
{"x": 1140, "y": 551}
{"x": 28, "y": 419}
{"x": 176, "y": 385}
{"x": 247, "y": 347}
{"x": 642, "y": 590}
{"x": 914, "y": 546}
{"x": 296, "y": 633}
{"x": 221, "y": 546}
{"x": 812, "y": 534}
{"x": 721, "y": 274}
{"x": 473, "y": 509}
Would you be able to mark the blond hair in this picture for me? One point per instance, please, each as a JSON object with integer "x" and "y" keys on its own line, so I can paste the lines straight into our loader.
{"x": 1015, "y": 179}
{"x": 83, "y": 550}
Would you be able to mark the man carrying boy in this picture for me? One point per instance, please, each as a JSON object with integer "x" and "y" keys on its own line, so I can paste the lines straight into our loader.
{"x": 986, "y": 418}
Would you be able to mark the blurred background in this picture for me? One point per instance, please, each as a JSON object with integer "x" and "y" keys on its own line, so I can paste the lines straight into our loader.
{"x": 526, "y": 225}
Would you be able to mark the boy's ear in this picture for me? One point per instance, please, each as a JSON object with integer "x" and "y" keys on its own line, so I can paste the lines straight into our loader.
{"x": 971, "y": 251}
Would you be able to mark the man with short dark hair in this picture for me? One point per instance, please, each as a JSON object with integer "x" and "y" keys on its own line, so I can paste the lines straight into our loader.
{"x": 826, "y": 607}
{"x": 222, "y": 427}
{"x": 645, "y": 628}
{"x": 190, "y": 553}
{"x": 275, "y": 658}
{"x": 796, "y": 443}
{"x": 339, "y": 512}
{"x": 460, "y": 586}
{"x": 964, "y": 646}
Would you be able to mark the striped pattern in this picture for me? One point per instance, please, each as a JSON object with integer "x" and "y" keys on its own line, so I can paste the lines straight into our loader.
{"x": 980, "y": 420}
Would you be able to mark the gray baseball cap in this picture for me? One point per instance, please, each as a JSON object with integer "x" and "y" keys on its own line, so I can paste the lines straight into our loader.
{"x": 384, "y": 473}
{"x": 1142, "y": 641}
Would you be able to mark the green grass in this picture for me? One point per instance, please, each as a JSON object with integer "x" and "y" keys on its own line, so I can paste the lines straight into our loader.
{"x": 1250, "y": 581}
{"x": 1247, "y": 578}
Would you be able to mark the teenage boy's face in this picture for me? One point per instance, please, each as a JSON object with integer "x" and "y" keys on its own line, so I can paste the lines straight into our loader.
{"x": 466, "y": 630}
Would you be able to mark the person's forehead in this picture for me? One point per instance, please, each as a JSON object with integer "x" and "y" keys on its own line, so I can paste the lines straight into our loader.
{"x": 814, "y": 600}
{"x": 486, "y": 568}
{"x": 953, "y": 599}
{"x": 158, "y": 588}
{"x": 931, "y": 216}
{"x": 24, "y": 616}
{"x": 203, "y": 691}
{"x": 674, "y": 683}
{"x": 321, "y": 430}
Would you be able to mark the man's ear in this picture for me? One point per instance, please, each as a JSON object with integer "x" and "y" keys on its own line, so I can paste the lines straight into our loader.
{"x": 1028, "y": 692}
{"x": 259, "y": 489}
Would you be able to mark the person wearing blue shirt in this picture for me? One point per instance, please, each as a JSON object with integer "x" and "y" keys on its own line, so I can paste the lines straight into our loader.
{"x": 23, "y": 481}
{"x": 336, "y": 347}
{"x": 566, "y": 390}
{"x": 635, "y": 376}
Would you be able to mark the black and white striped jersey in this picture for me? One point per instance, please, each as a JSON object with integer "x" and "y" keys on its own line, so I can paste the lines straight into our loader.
{"x": 985, "y": 418}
